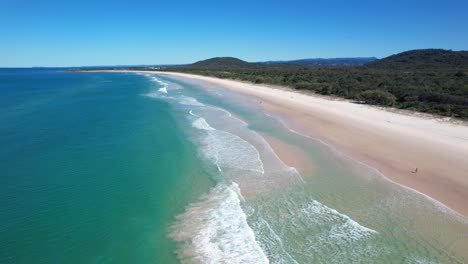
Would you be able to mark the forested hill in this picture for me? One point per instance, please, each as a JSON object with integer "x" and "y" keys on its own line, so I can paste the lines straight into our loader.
{"x": 230, "y": 62}
{"x": 431, "y": 80}
{"x": 326, "y": 62}
{"x": 221, "y": 62}
{"x": 424, "y": 59}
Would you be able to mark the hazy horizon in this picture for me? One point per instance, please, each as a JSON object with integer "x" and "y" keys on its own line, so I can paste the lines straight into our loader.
{"x": 169, "y": 64}
{"x": 173, "y": 64}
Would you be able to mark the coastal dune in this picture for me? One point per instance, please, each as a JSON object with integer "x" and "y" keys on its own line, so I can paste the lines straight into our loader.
{"x": 424, "y": 153}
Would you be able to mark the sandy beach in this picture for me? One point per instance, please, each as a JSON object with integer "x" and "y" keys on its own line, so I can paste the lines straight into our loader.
{"x": 393, "y": 143}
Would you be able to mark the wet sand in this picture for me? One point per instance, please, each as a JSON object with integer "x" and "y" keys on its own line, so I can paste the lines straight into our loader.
{"x": 391, "y": 142}
{"x": 291, "y": 156}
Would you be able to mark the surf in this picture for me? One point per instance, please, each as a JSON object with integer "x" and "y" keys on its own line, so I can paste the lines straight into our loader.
{"x": 289, "y": 222}
{"x": 215, "y": 230}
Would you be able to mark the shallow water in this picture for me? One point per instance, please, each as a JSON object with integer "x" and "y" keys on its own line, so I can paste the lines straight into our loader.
{"x": 144, "y": 168}
{"x": 344, "y": 212}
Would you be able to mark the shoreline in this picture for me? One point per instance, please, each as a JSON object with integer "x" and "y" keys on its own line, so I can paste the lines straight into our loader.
{"x": 291, "y": 156}
{"x": 392, "y": 143}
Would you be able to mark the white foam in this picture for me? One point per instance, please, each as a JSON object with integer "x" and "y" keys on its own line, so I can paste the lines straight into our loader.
{"x": 439, "y": 205}
{"x": 201, "y": 123}
{"x": 152, "y": 95}
{"x": 343, "y": 230}
{"x": 154, "y": 79}
{"x": 192, "y": 114}
{"x": 185, "y": 100}
{"x": 215, "y": 230}
{"x": 420, "y": 260}
{"x": 228, "y": 151}
{"x": 273, "y": 243}
{"x": 321, "y": 230}
{"x": 225, "y": 111}
{"x": 237, "y": 126}
{"x": 292, "y": 229}
{"x": 182, "y": 99}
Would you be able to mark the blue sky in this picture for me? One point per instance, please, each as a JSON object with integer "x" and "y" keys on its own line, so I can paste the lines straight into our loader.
{"x": 76, "y": 33}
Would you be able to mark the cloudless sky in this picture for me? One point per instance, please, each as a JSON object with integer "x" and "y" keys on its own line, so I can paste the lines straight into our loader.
{"x": 102, "y": 32}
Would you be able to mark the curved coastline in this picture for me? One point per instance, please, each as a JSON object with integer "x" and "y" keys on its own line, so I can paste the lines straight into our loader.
{"x": 433, "y": 136}
{"x": 263, "y": 211}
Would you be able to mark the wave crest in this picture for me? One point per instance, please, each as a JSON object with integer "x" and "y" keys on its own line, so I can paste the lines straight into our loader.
{"x": 215, "y": 230}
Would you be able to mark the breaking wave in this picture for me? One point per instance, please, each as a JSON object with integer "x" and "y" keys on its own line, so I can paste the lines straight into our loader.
{"x": 215, "y": 230}
{"x": 228, "y": 151}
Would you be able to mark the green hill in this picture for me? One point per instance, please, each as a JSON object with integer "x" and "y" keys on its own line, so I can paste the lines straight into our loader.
{"x": 430, "y": 80}
{"x": 325, "y": 62}
{"x": 221, "y": 62}
{"x": 424, "y": 59}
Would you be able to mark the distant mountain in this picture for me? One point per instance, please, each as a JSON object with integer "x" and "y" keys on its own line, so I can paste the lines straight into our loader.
{"x": 221, "y": 62}
{"x": 326, "y": 62}
{"x": 430, "y": 80}
{"x": 424, "y": 59}
{"x": 230, "y": 62}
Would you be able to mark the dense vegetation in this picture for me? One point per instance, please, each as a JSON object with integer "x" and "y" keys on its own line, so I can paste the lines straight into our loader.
{"x": 220, "y": 63}
{"x": 430, "y": 80}
{"x": 433, "y": 81}
{"x": 424, "y": 59}
{"x": 327, "y": 62}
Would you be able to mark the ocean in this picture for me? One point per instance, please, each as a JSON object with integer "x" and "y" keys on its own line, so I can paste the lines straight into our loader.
{"x": 142, "y": 168}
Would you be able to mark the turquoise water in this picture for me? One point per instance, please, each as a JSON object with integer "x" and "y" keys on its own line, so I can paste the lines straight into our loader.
{"x": 143, "y": 168}
{"x": 92, "y": 171}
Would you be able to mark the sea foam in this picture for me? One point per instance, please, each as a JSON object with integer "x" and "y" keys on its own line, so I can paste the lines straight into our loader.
{"x": 215, "y": 230}
{"x": 343, "y": 230}
{"x": 228, "y": 151}
{"x": 186, "y": 100}
{"x": 200, "y": 123}
{"x": 324, "y": 233}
